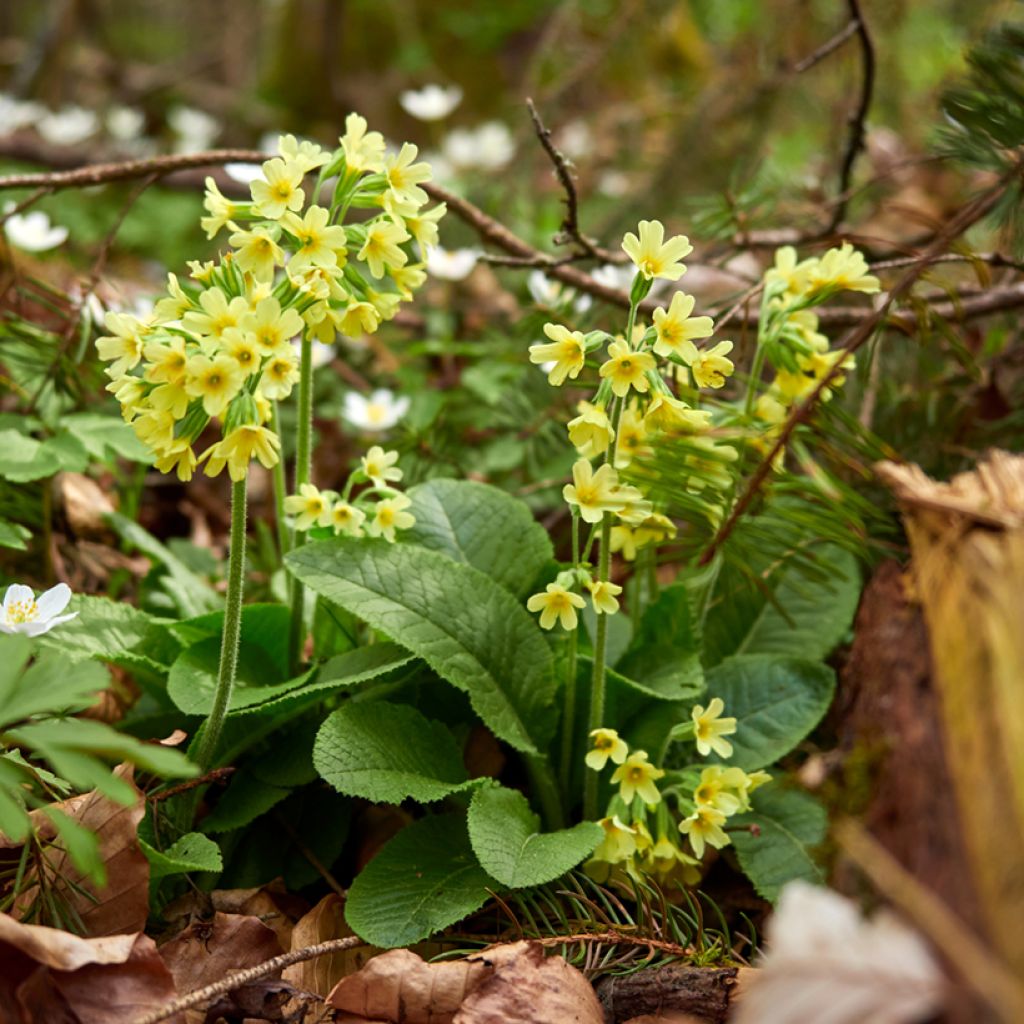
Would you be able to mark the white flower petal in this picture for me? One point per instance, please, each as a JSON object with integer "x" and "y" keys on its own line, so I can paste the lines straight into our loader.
{"x": 53, "y": 601}
{"x": 17, "y": 592}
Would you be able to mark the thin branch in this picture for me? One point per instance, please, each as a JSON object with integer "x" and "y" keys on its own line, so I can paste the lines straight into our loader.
{"x": 855, "y": 139}
{"x": 217, "y": 775}
{"x": 237, "y": 980}
{"x": 826, "y": 48}
{"x": 969, "y": 215}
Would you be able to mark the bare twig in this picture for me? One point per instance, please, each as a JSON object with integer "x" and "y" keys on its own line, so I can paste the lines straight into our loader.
{"x": 826, "y": 48}
{"x": 235, "y": 981}
{"x": 970, "y": 214}
{"x": 217, "y": 775}
{"x": 855, "y": 140}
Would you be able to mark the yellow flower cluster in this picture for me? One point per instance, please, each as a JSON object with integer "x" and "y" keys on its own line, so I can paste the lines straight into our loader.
{"x": 219, "y": 345}
{"x": 703, "y": 799}
{"x": 378, "y": 511}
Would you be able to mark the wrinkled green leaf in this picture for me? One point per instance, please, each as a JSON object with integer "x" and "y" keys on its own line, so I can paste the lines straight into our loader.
{"x": 191, "y": 852}
{"x": 23, "y": 458}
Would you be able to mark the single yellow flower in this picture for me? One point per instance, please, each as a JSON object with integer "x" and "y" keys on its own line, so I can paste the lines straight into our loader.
{"x": 603, "y": 594}
{"x": 165, "y": 360}
{"x": 347, "y": 519}
{"x": 271, "y": 327}
{"x": 668, "y": 864}
{"x": 364, "y": 151}
{"x": 632, "y": 437}
{"x": 404, "y": 177}
{"x": 389, "y": 515}
{"x": 653, "y": 256}
{"x": 623, "y": 540}
{"x": 423, "y": 225}
{"x": 279, "y": 190}
{"x": 593, "y": 493}
{"x": 382, "y": 249}
{"x": 591, "y": 432}
{"x": 280, "y": 374}
{"x": 607, "y": 746}
{"x": 171, "y": 398}
{"x": 556, "y": 604}
{"x": 220, "y": 207}
{"x": 216, "y": 314}
{"x": 567, "y": 351}
{"x": 242, "y": 348}
{"x": 787, "y": 274}
{"x": 408, "y": 279}
{"x": 842, "y": 269}
{"x": 676, "y": 329}
{"x": 311, "y": 507}
{"x": 304, "y": 155}
{"x": 709, "y": 728}
{"x": 626, "y": 368}
{"x": 257, "y": 253}
{"x": 635, "y": 508}
{"x": 716, "y": 788}
{"x": 215, "y": 381}
{"x": 654, "y": 529}
{"x": 319, "y": 242}
{"x": 358, "y": 318}
{"x": 704, "y": 828}
{"x": 636, "y": 777}
{"x": 380, "y": 467}
{"x": 672, "y": 415}
{"x": 155, "y": 429}
{"x": 619, "y": 841}
{"x": 177, "y": 457}
{"x": 130, "y": 392}
{"x": 174, "y": 305}
{"x": 124, "y": 345}
{"x": 710, "y": 369}
{"x": 238, "y": 449}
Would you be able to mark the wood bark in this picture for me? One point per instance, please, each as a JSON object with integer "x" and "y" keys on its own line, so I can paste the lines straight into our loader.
{"x": 703, "y": 992}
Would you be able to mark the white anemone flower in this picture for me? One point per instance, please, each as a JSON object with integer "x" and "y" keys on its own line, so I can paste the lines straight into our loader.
{"x": 381, "y": 411}
{"x": 488, "y": 147}
{"x": 451, "y": 264}
{"x": 196, "y": 130}
{"x": 546, "y": 291}
{"x": 15, "y": 113}
{"x": 612, "y": 276}
{"x": 432, "y": 102}
{"x": 68, "y": 126}
{"x": 23, "y": 613}
{"x": 125, "y": 124}
{"x": 33, "y": 232}
{"x": 243, "y": 173}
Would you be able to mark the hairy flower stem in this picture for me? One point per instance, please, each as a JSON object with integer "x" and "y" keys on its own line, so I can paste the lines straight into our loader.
{"x": 297, "y": 593}
{"x": 232, "y": 630}
{"x": 569, "y": 702}
{"x": 280, "y": 488}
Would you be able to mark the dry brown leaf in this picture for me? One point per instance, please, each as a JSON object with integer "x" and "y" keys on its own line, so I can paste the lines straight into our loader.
{"x": 529, "y": 987}
{"x": 325, "y": 921}
{"x": 85, "y": 504}
{"x": 504, "y": 985}
{"x": 48, "y": 976}
{"x": 668, "y": 1017}
{"x": 122, "y": 904}
{"x": 262, "y": 903}
{"x": 208, "y": 951}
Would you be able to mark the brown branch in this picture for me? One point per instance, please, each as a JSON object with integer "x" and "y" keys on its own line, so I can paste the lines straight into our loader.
{"x": 237, "y": 980}
{"x": 217, "y": 775}
{"x": 855, "y": 140}
{"x": 613, "y": 938}
{"x": 970, "y": 214}
{"x": 826, "y": 48}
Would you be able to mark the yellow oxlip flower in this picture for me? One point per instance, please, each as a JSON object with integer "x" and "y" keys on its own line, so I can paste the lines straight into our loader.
{"x": 635, "y": 508}
{"x": 280, "y": 375}
{"x": 381, "y": 248}
{"x": 654, "y": 529}
{"x": 626, "y": 368}
{"x": 567, "y": 351}
{"x": 364, "y": 151}
{"x": 347, "y": 519}
{"x": 603, "y": 594}
{"x": 310, "y": 506}
{"x": 619, "y": 841}
{"x": 242, "y": 348}
{"x": 423, "y": 225}
{"x": 304, "y": 155}
{"x": 666, "y": 861}
{"x": 257, "y": 253}
{"x": 404, "y": 176}
{"x": 171, "y": 398}
{"x": 715, "y": 786}
{"x": 124, "y": 345}
{"x": 155, "y": 429}
{"x": 220, "y": 207}
{"x": 359, "y": 318}
{"x": 636, "y": 777}
{"x": 215, "y": 381}
{"x": 319, "y": 242}
{"x": 632, "y": 437}
{"x": 408, "y": 279}
{"x": 704, "y": 828}
{"x": 787, "y": 273}
{"x": 591, "y": 432}
{"x": 216, "y": 314}
{"x": 177, "y": 457}
{"x": 593, "y": 493}
{"x": 270, "y": 327}
{"x": 380, "y": 467}
{"x": 668, "y": 413}
{"x": 556, "y": 604}
{"x": 279, "y": 190}
{"x": 653, "y": 256}
{"x": 174, "y": 305}
{"x": 750, "y": 782}
{"x": 201, "y": 271}
{"x": 710, "y": 369}
{"x": 389, "y": 515}
{"x": 676, "y": 329}
{"x": 129, "y": 391}
{"x": 238, "y": 449}
{"x": 165, "y": 360}
{"x": 842, "y": 269}
{"x": 623, "y": 541}
{"x": 709, "y": 727}
{"x": 607, "y": 746}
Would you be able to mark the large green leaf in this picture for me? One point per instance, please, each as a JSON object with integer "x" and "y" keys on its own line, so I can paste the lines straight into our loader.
{"x": 49, "y": 685}
{"x": 789, "y": 614}
{"x": 423, "y": 880}
{"x": 105, "y": 436}
{"x": 471, "y": 632}
{"x": 664, "y": 656}
{"x": 507, "y": 840}
{"x": 23, "y": 458}
{"x": 14, "y": 535}
{"x": 190, "y": 852}
{"x": 776, "y": 702}
{"x": 478, "y": 524}
{"x": 388, "y": 753}
{"x": 774, "y": 840}
{"x": 245, "y": 799}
